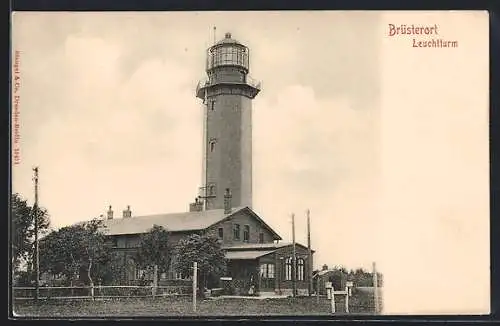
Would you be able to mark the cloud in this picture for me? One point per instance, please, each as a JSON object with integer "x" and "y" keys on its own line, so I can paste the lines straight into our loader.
{"x": 111, "y": 140}
{"x": 315, "y": 140}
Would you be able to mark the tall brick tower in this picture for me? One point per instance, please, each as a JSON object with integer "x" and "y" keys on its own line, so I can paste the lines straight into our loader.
{"x": 227, "y": 96}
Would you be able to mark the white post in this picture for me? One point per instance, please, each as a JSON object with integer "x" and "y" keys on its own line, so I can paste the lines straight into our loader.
{"x": 195, "y": 277}
{"x": 333, "y": 299}
{"x": 375, "y": 288}
{"x": 155, "y": 280}
{"x": 92, "y": 290}
{"x": 347, "y": 299}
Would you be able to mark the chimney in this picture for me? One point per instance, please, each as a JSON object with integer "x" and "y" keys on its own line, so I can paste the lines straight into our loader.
{"x": 110, "y": 213}
{"x": 227, "y": 201}
{"x": 127, "y": 213}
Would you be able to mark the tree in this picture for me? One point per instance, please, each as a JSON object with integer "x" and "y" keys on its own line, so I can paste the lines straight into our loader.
{"x": 23, "y": 229}
{"x": 154, "y": 249}
{"x": 111, "y": 268}
{"x": 204, "y": 249}
{"x": 363, "y": 278}
{"x": 75, "y": 251}
{"x": 338, "y": 278}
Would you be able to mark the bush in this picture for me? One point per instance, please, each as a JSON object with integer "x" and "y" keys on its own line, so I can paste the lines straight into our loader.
{"x": 22, "y": 279}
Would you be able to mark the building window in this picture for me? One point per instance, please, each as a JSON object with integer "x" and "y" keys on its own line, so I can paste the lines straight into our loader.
{"x": 221, "y": 233}
{"x": 212, "y": 105}
{"x": 267, "y": 271}
{"x": 236, "y": 232}
{"x": 288, "y": 269}
{"x": 300, "y": 269}
{"x": 261, "y": 237}
{"x": 246, "y": 233}
{"x": 270, "y": 270}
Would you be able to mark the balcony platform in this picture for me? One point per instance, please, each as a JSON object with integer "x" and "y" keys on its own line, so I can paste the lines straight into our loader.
{"x": 205, "y": 83}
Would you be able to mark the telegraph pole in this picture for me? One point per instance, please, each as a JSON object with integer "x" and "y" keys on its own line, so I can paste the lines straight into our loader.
{"x": 294, "y": 259}
{"x": 36, "y": 256}
{"x": 309, "y": 253}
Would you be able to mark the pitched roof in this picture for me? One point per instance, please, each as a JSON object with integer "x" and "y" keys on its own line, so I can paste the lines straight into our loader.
{"x": 173, "y": 222}
{"x": 241, "y": 255}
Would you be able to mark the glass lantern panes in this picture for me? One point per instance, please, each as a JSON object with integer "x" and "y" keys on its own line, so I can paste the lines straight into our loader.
{"x": 228, "y": 55}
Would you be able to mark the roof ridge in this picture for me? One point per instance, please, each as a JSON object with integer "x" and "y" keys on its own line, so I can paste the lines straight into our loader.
{"x": 174, "y": 222}
{"x": 235, "y": 209}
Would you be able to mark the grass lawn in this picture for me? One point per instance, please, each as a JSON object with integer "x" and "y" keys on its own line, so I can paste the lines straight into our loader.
{"x": 182, "y": 306}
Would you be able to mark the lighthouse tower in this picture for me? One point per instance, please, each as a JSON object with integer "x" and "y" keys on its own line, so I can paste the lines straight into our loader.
{"x": 227, "y": 95}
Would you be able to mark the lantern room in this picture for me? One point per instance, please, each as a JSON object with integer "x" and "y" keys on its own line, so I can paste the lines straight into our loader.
{"x": 228, "y": 52}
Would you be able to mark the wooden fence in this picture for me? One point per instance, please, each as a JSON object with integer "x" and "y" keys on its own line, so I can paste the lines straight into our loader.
{"x": 99, "y": 292}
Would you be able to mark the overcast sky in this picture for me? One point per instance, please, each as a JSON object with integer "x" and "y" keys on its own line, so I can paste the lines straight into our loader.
{"x": 108, "y": 112}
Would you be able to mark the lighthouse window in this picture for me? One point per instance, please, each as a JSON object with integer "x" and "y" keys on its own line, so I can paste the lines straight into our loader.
{"x": 211, "y": 60}
{"x": 218, "y": 57}
{"x": 226, "y": 55}
{"x": 222, "y": 54}
{"x": 234, "y": 55}
{"x": 240, "y": 57}
{"x": 212, "y": 146}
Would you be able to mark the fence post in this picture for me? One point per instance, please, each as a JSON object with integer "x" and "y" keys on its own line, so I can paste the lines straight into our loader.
{"x": 155, "y": 280}
{"x": 347, "y": 299}
{"x": 92, "y": 290}
{"x": 332, "y": 296}
{"x": 195, "y": 277}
